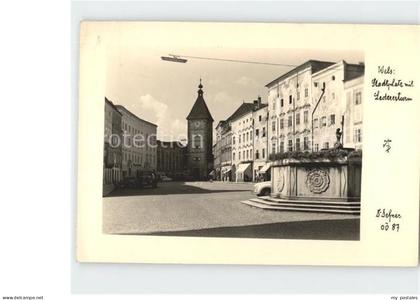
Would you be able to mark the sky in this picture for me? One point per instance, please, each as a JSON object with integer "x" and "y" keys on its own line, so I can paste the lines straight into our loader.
{"x": 163, "y": 92}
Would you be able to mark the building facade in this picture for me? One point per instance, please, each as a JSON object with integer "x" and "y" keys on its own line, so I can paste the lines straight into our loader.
{"x": 261, "y": 122}
{"x": 217, "y": 151}
{"x": 223, "y": 151}
{"x": 353, "y": 119}
{"x": 171, "y": 159}
{"x": 308, "y": 104}
{"x": 290, "y": 103}
{"x": 226, "y": 151}
{"x": 242, "y": 142}
{"x": 200, "y": 139}
{"x": 139, "y": 149}
{"x": 332, "y": 108}
{"x": 112, "y": 144}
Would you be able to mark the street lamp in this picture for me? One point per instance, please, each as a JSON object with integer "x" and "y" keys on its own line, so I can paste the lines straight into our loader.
{"x": 174, "y": 58}
{"x": 183, "y": 59}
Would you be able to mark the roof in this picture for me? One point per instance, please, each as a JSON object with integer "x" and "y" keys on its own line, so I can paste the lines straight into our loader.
{"x": 200, "y": 109}
{"x": 245, "y": 108}
{"x": 353, "y": 71}
{"x": 316, "y": 66}
{"x": 112, "y": 105}
{"x": 262, "y": 105}
{"x": 120, "y": 107}
{"x": 221, "y": 123}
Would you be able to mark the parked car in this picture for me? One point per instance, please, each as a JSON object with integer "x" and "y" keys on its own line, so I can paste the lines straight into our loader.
{"x": 262, "y": 188}
{"x": 148, "y": 178}
{"x": 164, "y": 178}
{"x": 128, "y": 182}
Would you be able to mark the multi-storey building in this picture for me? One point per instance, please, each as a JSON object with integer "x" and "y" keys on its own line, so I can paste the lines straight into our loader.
{"x": 242, "y": 142}
{"x": 290, "y": 106}
{"x": 352, "y": 135}
{"x": 112, "y": 144}
{"x": 223, "y": 151}
{"x": 171, "y": 159}
{"x": 138, "y": 144}
{"x": 333, "y": 112}
{"x": 226, "y": 151}
{"x": 261, "y": 123}
{"x": 217, "y": 151}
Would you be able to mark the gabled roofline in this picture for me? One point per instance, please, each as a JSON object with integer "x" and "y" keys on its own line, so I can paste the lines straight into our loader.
{"x": 112, "y": 104}
{"x": 297, "y": 69}
{"x": 133, "y": 115}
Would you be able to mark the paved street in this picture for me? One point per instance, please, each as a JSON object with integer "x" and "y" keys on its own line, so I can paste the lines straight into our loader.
{"x": 214, "y": 209}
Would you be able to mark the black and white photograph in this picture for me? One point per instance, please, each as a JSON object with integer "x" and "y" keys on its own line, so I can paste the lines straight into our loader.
{"x": 233, "y": 143}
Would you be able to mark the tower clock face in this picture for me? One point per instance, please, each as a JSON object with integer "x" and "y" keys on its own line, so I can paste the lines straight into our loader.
{"x": 197, "y": 124}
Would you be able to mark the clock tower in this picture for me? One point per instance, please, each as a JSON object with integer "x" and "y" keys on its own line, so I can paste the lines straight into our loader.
{"x": 200, "y": 139}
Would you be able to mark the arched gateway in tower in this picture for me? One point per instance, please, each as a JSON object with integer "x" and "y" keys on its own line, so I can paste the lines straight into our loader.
{"x": 200, "y": 139}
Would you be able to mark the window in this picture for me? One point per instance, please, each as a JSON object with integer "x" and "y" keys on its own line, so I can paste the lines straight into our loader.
{"x": 333, "y": 95}
{"x": 358, "y": 135}
{"x": 305, "y": 116}
{"x": 326, "y": 145}
{"x": 306, "y": 92}
{"x": 250, "y": 135}
{"x": 316, "y": 146}
{"x": 290, "y": 145}
{"x": 289, "y": 122}
{"x": 273, "y": 148}
{"x": 263, "y": 153}
{"x": 243, "y": 137}
{"x": 243, "y": 155}
{"x": 233, "y": 140}
{"x": 274, "y": 104}
{"x": 257, "y": 154}
{"x": 358, "y": 98}
{"x": 298, "y": 96}
{"x": 250, "y": 154}
{"x": 297, "y": 118}
{"x": 247, "y": 154}
{"x": 281, "y": 102}
{"x": 263, "y": 133}
{"x": 332, "y": 119}
{"x": 290, "y": 99}
{"x": 281, "y": 147}
{"x": 298, "y": 144}
{"x": 239, "y": 139}
{"x": 281, "y": 124}
{"x": 239, "y": 153}
{"x": 257, "y": 132}
{"x": 247, "y": 136}
{"x": 259, "y": 118}
{"x": 305, "y": 143}
{"x": 324, "y": 121}
{"x": 233, "y": 155}
{"x": 273, "y": 126}
{"x": 315, "y": 123}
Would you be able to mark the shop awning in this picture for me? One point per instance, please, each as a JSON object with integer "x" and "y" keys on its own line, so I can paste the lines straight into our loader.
{"x": 265, "y": 168}
{"x": 242, "y": 167}
{"x": 226, "y": 169}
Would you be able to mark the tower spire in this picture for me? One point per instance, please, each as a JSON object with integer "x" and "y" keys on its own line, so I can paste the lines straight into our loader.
{"x": 200, "y": 87}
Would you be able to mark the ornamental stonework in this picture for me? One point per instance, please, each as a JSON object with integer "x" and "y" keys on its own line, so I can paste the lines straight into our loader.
{"x": 317, "y": 181}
